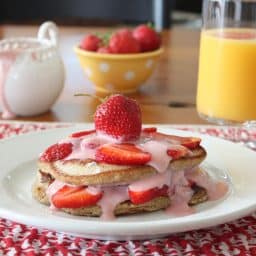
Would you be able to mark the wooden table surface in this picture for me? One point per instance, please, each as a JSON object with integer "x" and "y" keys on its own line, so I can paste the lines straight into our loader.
{"x": 168, "y": 97}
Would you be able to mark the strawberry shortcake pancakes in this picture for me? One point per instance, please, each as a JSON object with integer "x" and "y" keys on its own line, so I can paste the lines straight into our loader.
{"x": 121, "y": 168}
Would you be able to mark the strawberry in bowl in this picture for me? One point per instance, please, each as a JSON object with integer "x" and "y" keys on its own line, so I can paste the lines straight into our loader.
{"x": 142, "y": 38}
{"x": 121, "y": 61}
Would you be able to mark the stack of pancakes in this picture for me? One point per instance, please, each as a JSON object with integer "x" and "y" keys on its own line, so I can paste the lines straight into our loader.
{"x": 88, "y": 172}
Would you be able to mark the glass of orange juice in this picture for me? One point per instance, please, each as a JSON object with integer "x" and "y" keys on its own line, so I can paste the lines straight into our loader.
{"x": 226, "y": 92}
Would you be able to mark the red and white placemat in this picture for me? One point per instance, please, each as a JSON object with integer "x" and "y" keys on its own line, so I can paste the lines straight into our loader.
{"x": 234, "y": 238}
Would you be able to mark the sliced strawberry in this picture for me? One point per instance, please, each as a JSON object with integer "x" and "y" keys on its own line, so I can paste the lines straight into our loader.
{"x": 191, "y": 142}
{"x": 147, "y": 195}
{"x": 74, "y": 197}
{"x": 82, "y": 133}
{"x": 122, "y": 154}
{"x": 177, "y": 152}
{"x": 188, "y": 142}
{"x": 56, "y": 152}
{"x": 149, "y": 129}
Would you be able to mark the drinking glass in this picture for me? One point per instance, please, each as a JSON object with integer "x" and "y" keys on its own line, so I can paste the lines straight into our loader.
{"x": 226, "y": 92}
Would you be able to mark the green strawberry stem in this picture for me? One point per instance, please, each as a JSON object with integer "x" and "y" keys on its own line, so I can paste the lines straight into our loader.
{"x": 104, "y": 37}
{"x": 150, "y": 25}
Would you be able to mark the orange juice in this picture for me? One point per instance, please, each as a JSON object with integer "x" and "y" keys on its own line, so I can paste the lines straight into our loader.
{"x": 227, "y": 74}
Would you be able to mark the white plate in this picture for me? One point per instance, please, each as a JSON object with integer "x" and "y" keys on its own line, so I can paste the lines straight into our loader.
{"x": 18, "y": 170}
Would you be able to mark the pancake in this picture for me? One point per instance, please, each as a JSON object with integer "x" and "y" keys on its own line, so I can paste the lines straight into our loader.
{"x": 124, "y": 208}
{"x": 88, "y": 172}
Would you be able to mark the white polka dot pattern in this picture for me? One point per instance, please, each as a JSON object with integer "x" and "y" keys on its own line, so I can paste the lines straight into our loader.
{"x": 104, "y": 67}
{"x": 149, "y": 63}
{"x": 129, "y": 75}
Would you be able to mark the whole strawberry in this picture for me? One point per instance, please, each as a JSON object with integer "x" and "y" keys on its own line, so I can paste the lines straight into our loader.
{"x": 90, "y": 43}
{"x": 119, "y": 117}
{"x": 123, "y": 41}
{"x": 147, "y": 37}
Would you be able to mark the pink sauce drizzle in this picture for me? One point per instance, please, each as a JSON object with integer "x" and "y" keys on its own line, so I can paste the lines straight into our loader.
{"x": 112, "y": 197}
{"x": 158, "y": 150}
{"x": 94, "y": 190}
{"x": 215, "y": 189}
{"x": 180, "y": 194}
{"x": 85, "y": 147}
{"x": 7, "y": 59}
{"x": 157, "y": 180}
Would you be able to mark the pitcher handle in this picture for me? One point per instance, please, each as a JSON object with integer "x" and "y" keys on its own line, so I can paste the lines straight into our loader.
{"x": 48, "y": 30}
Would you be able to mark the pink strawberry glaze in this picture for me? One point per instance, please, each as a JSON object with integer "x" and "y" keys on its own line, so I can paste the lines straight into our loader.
{"x": 179, "y": 190}
{"x": 157, "y": 180}
{"x": 180, "y": 194}
{"x": 7, "y": 59}
{"x": 112, "y": 197}
{"x": 215, "y": 189}
{"x": 85, "y": 147}
{"x": 94, "y": 190}
{"x": 159, "y": 158}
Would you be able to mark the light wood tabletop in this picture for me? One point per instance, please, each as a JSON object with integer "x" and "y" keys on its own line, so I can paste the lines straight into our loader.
{"x": 168, "y": 97}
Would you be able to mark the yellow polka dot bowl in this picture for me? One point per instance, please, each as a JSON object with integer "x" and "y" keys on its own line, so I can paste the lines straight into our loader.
{"x": 123, "y": 73}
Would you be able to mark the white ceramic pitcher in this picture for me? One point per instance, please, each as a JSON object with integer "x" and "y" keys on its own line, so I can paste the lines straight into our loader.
{"x": 31, "y": 73}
